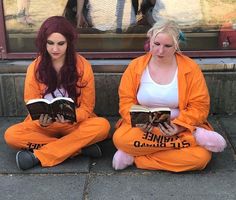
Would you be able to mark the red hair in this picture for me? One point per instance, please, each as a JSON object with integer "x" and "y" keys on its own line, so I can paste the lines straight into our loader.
{"x": 45, "y": 72}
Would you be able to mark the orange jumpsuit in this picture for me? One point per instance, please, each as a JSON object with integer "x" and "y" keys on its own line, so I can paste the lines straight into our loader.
{"x": 57, "y": 142}
{"x": 153, "y": 150}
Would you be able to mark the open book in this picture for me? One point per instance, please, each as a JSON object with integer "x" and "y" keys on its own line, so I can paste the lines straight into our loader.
{"x": 142, "y": 115}
{"x": 61, "y": 105}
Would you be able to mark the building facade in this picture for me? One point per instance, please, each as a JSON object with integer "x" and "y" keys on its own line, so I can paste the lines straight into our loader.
{"x": 111, "y": 32}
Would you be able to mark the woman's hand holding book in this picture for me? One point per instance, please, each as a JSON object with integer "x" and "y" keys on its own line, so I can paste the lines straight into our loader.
{"x": 170, "y": 129}
{"x": 45, "y": 120}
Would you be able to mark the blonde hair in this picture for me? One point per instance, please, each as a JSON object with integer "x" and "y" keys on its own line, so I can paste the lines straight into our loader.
{"x": 166, "y": 26}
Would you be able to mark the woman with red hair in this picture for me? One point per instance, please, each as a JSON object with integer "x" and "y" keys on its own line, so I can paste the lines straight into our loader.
{"x": 58, "y": 71}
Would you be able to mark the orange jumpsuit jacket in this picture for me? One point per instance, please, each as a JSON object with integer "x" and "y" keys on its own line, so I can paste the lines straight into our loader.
{"x": 34, "y": 89}
{"x": 194, "y": 100}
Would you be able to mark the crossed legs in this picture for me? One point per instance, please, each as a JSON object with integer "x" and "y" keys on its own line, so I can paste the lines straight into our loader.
{"x": 56, "y": 143}
{"x": 156, "y": 152}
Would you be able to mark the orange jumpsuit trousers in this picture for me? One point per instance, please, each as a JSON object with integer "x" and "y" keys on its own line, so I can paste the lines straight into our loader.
{"x": 154, "y": 151}
{"x": 57, "y": 142}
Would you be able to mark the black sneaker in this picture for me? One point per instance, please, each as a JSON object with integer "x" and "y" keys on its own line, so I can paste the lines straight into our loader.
{"x": 26, "y": 160}
{"x": 92, "y": 151}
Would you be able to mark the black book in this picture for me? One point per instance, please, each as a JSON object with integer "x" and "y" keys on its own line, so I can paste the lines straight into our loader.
{"x": 61, "y": 105}
{"x": 142, "y": 115}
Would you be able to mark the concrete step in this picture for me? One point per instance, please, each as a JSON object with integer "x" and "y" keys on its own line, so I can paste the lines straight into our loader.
{"x": 220, "y": 76}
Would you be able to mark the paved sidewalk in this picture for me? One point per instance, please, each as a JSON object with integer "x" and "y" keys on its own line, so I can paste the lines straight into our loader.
{"x": 89, "y": 179}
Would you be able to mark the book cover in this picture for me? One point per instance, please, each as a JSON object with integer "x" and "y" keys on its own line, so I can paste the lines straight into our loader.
{"x": 61, "y": 105}
{"x": 142, "y": 115}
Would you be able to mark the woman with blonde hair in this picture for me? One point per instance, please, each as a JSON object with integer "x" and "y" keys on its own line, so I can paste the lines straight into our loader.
{"x": 164, "y": 77}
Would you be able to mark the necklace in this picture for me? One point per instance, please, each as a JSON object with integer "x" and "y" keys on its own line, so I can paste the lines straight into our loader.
{"x": 59, "y": 92}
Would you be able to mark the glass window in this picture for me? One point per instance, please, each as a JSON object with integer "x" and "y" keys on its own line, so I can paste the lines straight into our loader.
{"x": 121, "y": 25}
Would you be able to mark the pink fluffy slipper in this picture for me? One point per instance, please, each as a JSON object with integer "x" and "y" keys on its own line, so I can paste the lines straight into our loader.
{"x": 121, "y": 160}
{"x": 210, "y": 140}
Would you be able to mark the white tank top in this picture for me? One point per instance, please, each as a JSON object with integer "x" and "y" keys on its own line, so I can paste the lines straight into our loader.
{"x": 59, "y": 92}
{"x": 152, "y": 94}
